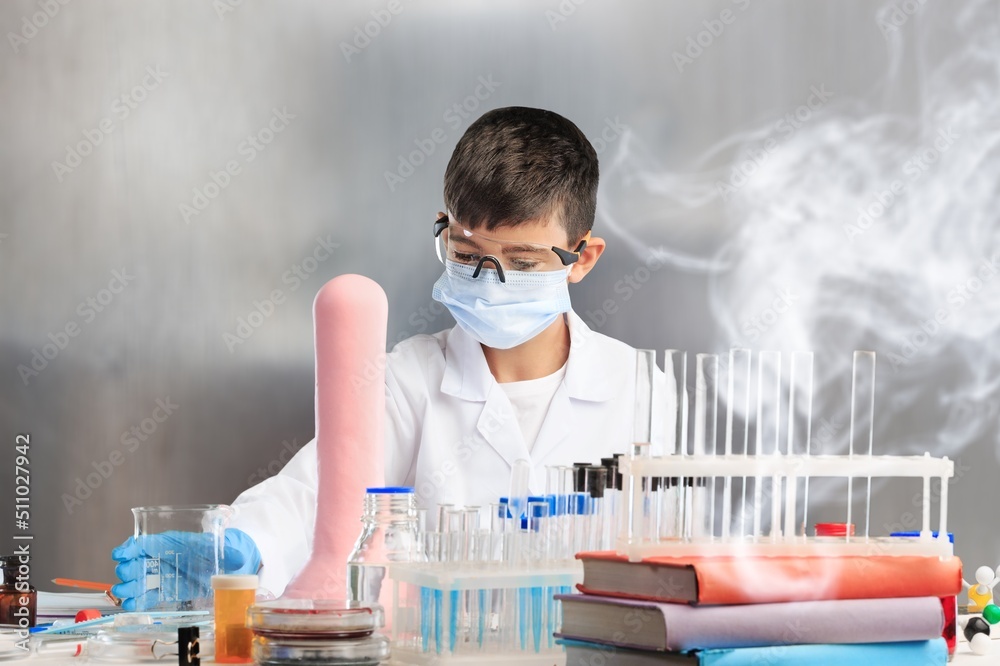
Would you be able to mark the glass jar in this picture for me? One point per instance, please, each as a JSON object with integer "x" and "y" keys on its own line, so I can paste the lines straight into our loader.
{"x": 388, "y": 535}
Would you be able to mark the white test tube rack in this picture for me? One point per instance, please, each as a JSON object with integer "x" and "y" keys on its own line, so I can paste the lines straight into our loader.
{"x": 774, "y": 474}
{"x": 790, "y": 468}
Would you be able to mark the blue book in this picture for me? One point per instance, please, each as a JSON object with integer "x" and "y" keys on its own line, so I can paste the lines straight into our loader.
{"x": 913, "y": 653}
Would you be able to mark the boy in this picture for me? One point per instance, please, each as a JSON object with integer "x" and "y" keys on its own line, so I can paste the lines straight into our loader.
{"x": 520, "y": 376}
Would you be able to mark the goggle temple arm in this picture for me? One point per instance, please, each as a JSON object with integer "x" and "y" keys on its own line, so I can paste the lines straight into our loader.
{"x": 567, "y": 257}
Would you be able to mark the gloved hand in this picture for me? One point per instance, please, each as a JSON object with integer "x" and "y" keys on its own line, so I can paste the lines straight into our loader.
{"x": 192, "y": 572}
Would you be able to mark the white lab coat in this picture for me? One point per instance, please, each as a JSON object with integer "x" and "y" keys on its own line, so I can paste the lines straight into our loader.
{"x": 452, "y": 435}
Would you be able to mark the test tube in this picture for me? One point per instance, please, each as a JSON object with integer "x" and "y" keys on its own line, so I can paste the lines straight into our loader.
{"x": 567, "y": 532}
{"x": 552, "y": 493}
{"x": 675, "y": 495}
{"x": 668, "y": 520}
{"x": 455, "y": 549}
{"x": 470, "y": 598}
{"x": 706, "y": 405}
{"x": 442, "y": 515}
{"x": 747, "y": 360}
{"x": 517, "y": 499}
{"x": 498, "y": 535}
{"x": 538, "y": 514}
{"x": 595, "y": 483}
{"x": 654, "y": 517}
{"x": 768, "y": 386}
{"x": 799, "y": 399}
{"x": 639, "y": 492}
{"x": 431, "y": 621}
{"x": 862, "y": 424}
{"x": 610, "y": 512}
{"x": 738, "y": 358}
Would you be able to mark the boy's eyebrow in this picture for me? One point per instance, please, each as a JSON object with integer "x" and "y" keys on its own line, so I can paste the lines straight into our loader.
{"x": 521, "y": 249}
{"x": 513, "y": 249}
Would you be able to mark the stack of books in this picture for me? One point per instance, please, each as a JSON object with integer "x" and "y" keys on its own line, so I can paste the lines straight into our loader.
{"x": 774, "y": 610}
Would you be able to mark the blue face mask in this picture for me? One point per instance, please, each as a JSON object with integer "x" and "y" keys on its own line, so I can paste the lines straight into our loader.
{"x": 502, "y": 315}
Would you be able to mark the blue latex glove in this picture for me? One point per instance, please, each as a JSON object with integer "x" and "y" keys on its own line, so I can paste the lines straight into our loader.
{"x": 193, "y": 575}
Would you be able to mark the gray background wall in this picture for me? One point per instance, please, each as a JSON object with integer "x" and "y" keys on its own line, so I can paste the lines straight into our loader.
{"x": 892, "y": 77}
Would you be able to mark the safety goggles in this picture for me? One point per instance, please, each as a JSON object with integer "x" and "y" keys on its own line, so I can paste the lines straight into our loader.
{"x": 456, "y": 243}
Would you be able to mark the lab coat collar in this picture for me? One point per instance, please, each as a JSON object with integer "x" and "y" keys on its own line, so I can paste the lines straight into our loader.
{"x": 593, "y": 371}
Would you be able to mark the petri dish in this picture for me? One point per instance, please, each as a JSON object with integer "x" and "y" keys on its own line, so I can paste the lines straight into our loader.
{"x": 314, "y": 618}
{"x": 283, "y": 651}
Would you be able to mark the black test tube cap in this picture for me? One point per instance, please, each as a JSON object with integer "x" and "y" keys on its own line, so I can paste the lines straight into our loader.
{"x": 580, "y": 476}
{"x": 611, "y": 464}
{"x": 597, "y": 480}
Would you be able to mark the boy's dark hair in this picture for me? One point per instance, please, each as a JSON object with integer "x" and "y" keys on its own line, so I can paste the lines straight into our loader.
{"x": 517, "y": 164}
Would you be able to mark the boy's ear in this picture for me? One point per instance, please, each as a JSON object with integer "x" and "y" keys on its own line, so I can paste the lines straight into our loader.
{"x": 589, "y": 256}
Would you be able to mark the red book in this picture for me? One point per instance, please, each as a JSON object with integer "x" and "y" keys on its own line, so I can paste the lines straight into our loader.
{"x": 762, "y": 579}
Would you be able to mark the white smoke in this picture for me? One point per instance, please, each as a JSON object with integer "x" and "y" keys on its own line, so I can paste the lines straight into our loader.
{"x": 881, "y": 223}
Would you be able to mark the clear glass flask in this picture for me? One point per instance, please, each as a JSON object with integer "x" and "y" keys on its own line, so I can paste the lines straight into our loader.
{"x": 388, "y": 535}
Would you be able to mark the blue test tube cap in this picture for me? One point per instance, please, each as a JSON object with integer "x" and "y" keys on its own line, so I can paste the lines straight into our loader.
{"x": 504, "y": 508}
{"x": 581, "y": 504}
{"x": 389, "y": 490}
{"x": 561, "y": 505}
{"x": 951, "y": 536}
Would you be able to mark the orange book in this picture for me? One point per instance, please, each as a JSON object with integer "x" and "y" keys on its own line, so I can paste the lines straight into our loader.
{"x": 761, "y": 579}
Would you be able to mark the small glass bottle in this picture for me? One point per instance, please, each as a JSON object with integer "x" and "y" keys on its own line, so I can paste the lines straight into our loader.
{"x": 18, "y": 599}
{"x": 388, "y": 535}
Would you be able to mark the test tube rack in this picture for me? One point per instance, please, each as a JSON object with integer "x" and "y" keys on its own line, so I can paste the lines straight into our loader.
{"x": 696, "y": 509}
{"x": 479, "y": 613}
{"x": 639, "y": 540}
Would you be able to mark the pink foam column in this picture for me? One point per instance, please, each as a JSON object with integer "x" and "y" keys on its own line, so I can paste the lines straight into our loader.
{"x": 350, "y": 318}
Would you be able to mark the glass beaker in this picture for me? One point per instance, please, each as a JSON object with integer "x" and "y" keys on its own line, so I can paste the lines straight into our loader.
{"x": 181, "y": 548}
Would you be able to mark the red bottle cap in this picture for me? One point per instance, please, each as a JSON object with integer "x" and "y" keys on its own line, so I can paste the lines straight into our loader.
{"x": 833, "y": 529}
{"x": 87, "y": 614}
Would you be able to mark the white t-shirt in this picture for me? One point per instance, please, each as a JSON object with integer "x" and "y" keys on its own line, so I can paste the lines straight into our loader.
{"x": 531, "y": 399}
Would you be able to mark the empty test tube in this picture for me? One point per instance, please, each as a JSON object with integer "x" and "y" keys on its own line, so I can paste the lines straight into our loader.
{"x": 611, "y": 501}
{"x": 862, "y": 424}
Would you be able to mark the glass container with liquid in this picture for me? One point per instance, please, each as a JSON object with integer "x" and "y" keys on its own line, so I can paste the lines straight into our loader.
{"x": 388, "y": 535}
